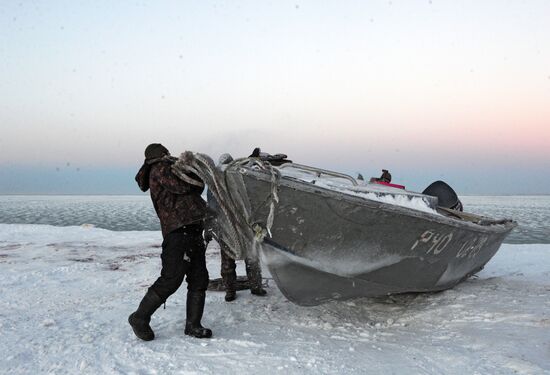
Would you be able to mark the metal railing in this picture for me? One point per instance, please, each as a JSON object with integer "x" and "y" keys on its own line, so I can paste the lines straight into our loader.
{"x": 319, "y": 171}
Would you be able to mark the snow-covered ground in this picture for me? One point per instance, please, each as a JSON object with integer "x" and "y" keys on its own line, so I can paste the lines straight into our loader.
{"x": 66, "y": 292}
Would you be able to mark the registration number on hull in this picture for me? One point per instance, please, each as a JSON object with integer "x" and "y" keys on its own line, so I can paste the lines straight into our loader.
{"x": 434, "y": 242}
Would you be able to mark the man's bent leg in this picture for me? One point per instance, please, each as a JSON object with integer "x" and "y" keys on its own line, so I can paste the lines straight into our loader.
{"x": 254, "y": 274}
{"x": 175, "y": 264}
{"x": 229, "y": 274}
{"x": 173, "y": 271}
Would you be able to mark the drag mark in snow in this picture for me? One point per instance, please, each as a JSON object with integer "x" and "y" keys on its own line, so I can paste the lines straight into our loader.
{"x": 247, "y": 344}
{"x": 82, "y": 260}
{"x": 10, "y": 247}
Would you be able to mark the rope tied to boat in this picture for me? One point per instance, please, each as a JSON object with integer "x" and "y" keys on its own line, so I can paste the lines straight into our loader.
{"x": 242, "y": 236}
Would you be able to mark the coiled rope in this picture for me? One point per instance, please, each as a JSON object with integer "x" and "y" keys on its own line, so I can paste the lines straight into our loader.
{"x": 242, "y": 236}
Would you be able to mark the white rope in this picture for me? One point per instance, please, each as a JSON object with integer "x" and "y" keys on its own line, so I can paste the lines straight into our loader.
{"x": 242, "y": 237}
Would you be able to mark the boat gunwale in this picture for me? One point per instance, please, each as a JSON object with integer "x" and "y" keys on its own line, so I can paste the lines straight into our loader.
{"x": 494, "y": 226}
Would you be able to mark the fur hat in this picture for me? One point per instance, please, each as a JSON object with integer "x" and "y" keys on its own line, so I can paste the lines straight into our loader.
{"x": 225, "y": 159}
{"x": 155, "y": 151}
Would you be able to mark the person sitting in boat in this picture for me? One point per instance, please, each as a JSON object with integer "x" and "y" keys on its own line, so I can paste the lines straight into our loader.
{"x": 386, "y": 176}
{"x": 228, "y": 265}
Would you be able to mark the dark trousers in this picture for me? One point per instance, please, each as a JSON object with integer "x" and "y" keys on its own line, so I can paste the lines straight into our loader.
{"x": 229, "y": 273}
{"x": 183, "y": 253}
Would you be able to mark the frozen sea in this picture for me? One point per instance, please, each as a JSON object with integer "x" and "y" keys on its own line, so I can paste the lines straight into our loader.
{"x": 66, "y": 290}
{"x": 135, "y": 212}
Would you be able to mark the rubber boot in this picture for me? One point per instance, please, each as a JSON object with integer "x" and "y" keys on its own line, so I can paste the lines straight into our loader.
{"x": 230, "y": 295}
{"x": 140, "y": 319}
{"x": 195, "y": 308}
{"x": 229, "y": 277}
{"x": 230, "y": 284}
{"x": 254, "y": 274}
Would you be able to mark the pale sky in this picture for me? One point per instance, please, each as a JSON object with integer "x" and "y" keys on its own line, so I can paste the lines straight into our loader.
{"x": 458, "y": 90}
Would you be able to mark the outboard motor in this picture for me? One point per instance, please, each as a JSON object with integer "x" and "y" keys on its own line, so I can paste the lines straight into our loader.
{"x": 445, "y": 194}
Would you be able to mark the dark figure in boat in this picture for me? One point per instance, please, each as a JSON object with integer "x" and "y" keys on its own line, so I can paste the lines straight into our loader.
{"x": 386, "y": 176}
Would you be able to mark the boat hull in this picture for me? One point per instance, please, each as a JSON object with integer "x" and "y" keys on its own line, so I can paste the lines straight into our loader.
{"x": 326, "y": 245}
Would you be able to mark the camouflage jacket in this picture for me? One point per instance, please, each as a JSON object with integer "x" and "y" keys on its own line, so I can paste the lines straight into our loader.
{"x": 176, "y": 202}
